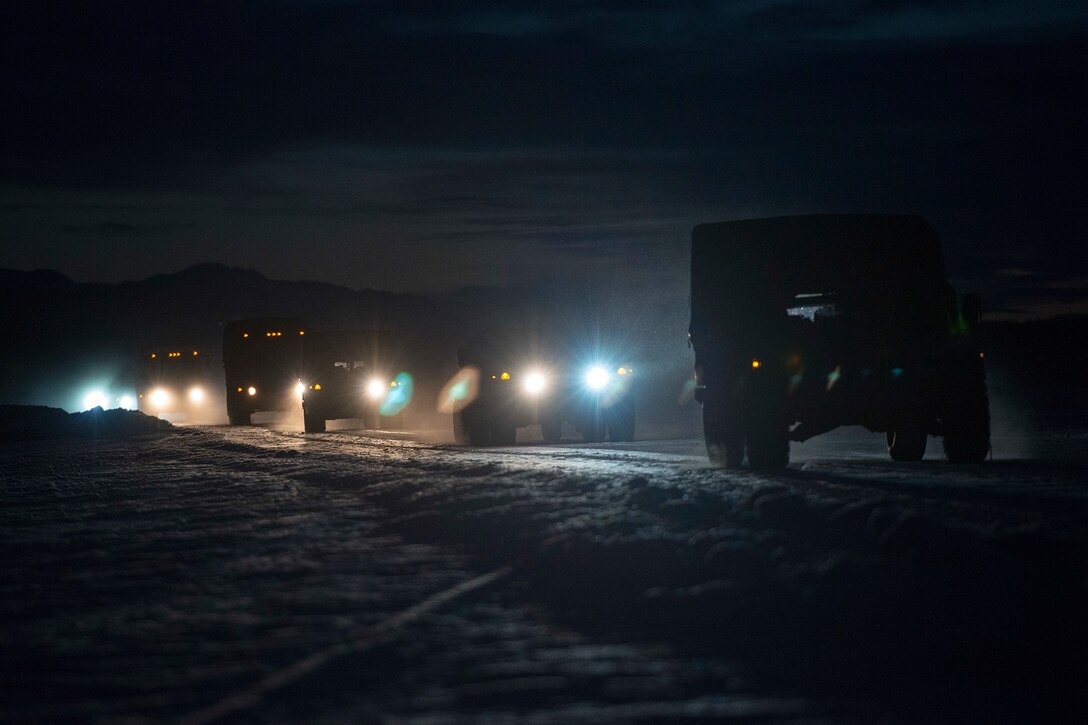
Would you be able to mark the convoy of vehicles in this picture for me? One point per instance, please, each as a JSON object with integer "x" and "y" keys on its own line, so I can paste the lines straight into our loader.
{"x": 799, "y": 325}
{"x": 803, "y": 324}
{"x": 172, "y": 382}
{"x": 523, "y": 381}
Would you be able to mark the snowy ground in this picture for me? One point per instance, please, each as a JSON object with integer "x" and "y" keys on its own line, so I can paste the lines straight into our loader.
{"x": 261, "y": 575}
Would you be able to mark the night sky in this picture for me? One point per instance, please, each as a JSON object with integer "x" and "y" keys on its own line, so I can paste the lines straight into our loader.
{"x": 426, "y": 146}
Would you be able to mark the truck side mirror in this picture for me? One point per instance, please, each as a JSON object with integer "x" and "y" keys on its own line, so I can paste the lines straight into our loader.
{"x": 972, "y": 311}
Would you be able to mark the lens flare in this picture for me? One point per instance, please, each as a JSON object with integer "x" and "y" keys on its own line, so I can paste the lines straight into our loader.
{"x": 460, "y": 391}
{"x": 398, "y": 397}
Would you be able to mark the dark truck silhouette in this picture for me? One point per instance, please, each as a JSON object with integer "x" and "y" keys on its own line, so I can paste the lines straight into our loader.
{"x": 263, "y": 366}
{"x": 360, "y": 374}
{"x": 802, "y": 324}
{"x": 527, "y": 378}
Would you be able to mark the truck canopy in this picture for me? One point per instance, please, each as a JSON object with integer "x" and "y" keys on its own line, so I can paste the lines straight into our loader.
{"x": 741, "y": 268}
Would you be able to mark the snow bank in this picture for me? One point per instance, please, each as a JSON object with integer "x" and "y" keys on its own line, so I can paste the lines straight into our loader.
{"x": 38, "y": 422}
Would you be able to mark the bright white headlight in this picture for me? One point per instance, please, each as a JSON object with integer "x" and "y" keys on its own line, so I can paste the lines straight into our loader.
{"x": 159, "y": 397}
{"x": 597, "y": 378}
{"x": 534, "y": 383}
{"x": 127, "y": 402}
{"x": 95, "y": 399}
{"x": 196, "y": 395}
{"x": 300, "y": 389}
{"x": 375, "y": 388}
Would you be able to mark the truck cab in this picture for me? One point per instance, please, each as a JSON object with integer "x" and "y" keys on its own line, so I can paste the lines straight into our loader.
{"x": 172, "y": 382}
{"x": 263, "y": 366}
{"x": 357, "y": 374}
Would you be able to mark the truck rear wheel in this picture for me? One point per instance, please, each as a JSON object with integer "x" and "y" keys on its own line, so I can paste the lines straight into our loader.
{"x": 967, "y": 428}
{"x": 725, "y": 449}
{"x": 906, "y": 445}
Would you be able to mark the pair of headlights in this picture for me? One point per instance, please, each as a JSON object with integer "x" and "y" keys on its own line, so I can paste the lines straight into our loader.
{"x": 596, "y": 378}
{"x": 98, "y": 399}
{"x": 161, "y": 397}
{"x": 375, "y": 389}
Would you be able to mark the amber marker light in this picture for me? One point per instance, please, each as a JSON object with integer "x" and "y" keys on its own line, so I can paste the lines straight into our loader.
{"x": 756, "y": 364}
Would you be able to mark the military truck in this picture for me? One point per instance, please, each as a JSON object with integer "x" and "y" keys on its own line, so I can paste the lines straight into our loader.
{"x": 802, "y": 324}
{"x": 524, "y": 379}
{"x": 263, "y": 366}
{"x": 356, "y": 374}
{"x": 172, "y": 382}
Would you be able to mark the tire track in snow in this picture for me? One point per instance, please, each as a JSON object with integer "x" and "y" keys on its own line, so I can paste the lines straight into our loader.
{"x": 372, "y": 637}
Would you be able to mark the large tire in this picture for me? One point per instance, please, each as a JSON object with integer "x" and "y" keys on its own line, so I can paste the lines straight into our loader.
{"x": 478, "y": 433}
{"x": 967, "y": 427}
{"x": 503, "y": 432}
{"x": 768, "y": 449}
{"x": 906, "y": 445}
{"x": 551, "y": 429}
{"x": 621, "y": 425}
{"x": 238, "y": 416}
{"x": 725, "y": 449}
{"x": 313, "y": 422}
{"x": 592, "y": 429}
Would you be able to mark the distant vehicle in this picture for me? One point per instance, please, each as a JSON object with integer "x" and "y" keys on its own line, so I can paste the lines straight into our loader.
{"x": 263, "y": 365}
{"x": 802, "y": 324}
{"x": 172, "y": 382}
{"x": 523, "y": 382}
{"x": 356, "y": 374}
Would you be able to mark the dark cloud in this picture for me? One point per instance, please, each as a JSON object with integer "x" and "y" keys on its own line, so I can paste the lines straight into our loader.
{"x": 113, "y": 228}
{"x": 579, "y": 129}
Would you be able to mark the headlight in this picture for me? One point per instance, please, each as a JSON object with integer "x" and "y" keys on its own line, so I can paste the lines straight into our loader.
{"x": 95, "y": 399}
{"x": 159, "y": 397}
{"x": 597, "y": 378}
{"x": 251, "y": 390}
{"x": 127, "y": 402}
{"x": 300, "y": 389}
{"x": 375, "y": 388}
{"x": 534, "y": 383}
{"x": 196, "y": 395}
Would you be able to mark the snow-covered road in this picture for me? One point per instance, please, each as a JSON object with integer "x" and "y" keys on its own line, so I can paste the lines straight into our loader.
{"x": 263, "y": 575}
